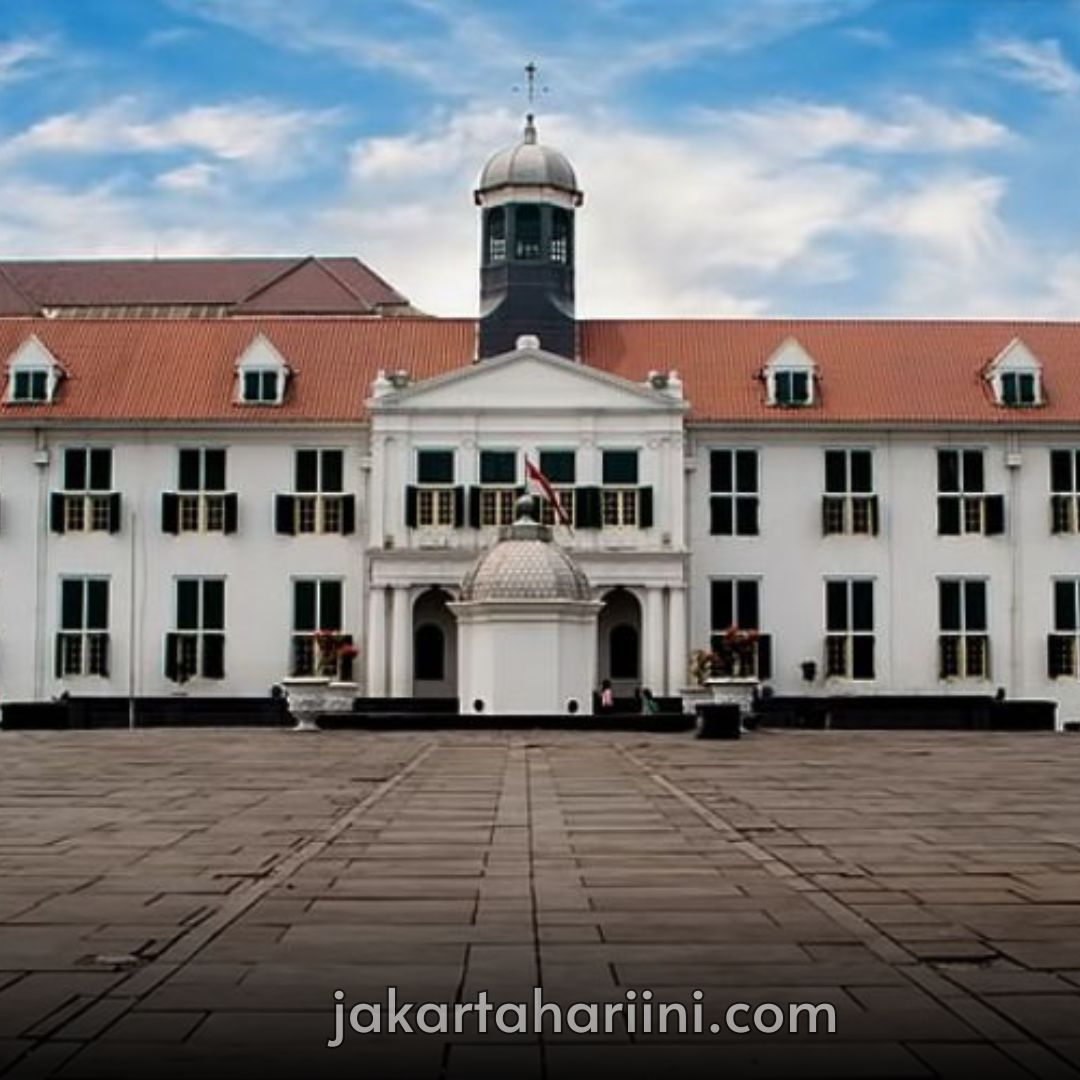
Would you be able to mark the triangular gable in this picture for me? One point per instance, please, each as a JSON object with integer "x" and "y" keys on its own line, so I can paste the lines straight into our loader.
{"x": 262, "y": 353}
{"x": 1016, "y": 356}
{"x": 33, "y": 353}
{"x": 308, "y": 288}
{"x": 790, "y": 354}
{"x": 526, "y": 378}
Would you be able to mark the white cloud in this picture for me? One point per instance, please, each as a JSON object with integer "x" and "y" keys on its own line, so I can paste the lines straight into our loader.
{"x": 255, "y": 133}
{"x": 806, "y": 129}
{"x": 197, "y": 178}
{"x": 17, "y": 58}
{"x": 1041, "y": 64}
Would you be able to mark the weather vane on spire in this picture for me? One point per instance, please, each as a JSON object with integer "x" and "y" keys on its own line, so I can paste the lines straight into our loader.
{"x": 531, "y": 89}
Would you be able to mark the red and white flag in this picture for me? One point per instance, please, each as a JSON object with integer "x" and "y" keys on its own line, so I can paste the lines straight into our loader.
{"x": 549, "y": 493}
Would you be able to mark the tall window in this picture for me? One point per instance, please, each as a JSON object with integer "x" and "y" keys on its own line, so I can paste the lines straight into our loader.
{"x": 964, "y": 644}
{"x": 197, "y": 646}
{"x": 619, "y": 495}
{"x": 498, "y": 486}
{"x": 963, "y": 505}
{"x": 319, "y": 647}
{"x": 849, "y": 505}
{"x": 200, "y": 503}
{"x": 733, "y": 483}
{"x": 1063, "y": 654}
{"x": 318, "y": 504}
{"x": 82, "y": 645}
{"x": 735, "y": 617}
{"x": 1065, "y": 491}
{"x": 87, "y": 503}
{"x": 849, "y": 629}
{"x": 496, "y": 234}
{"x": 560, "y": 467}
{"x": 527, "y": 232}
{"x": 560, "y": 236}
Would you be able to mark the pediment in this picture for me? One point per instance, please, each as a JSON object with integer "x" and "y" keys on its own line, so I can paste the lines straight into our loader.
{"x": 262, "y": 353}
{"x": 790, "y": 355}
{"x": 32, "y": 353}
{"x": 527, "y": 379}
{"x": 1016, "y": 356}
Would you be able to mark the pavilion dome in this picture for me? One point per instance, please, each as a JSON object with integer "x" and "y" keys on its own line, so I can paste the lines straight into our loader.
{"x": 524, "y": 564}
{"x": 528, "y": 164}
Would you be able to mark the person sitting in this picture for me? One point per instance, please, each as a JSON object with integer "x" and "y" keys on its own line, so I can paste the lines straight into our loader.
{"x": 649, "y": 705}
{"x": 607, "y": 698}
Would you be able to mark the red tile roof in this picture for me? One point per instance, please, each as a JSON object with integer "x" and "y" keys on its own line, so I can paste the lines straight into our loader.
{"x": 272, "y": 285}
{"x": 870, "y": 371}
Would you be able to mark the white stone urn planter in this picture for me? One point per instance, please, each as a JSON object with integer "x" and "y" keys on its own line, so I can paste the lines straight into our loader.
{"x": 311, "y": 696}
{"x": 693, "y": 696}
{"x": 734, "y": 690}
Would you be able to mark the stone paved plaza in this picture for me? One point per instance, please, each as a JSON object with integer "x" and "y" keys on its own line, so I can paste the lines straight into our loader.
{"x": 185, "y": 904}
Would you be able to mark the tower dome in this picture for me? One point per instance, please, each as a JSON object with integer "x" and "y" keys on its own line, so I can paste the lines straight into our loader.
{"x": 525, "y": 565}
{"x": 528, "y": 164}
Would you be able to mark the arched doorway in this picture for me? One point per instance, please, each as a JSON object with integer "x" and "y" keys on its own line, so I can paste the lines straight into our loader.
{"x": 434, "y": 647}
{"x": 619, "y": 644}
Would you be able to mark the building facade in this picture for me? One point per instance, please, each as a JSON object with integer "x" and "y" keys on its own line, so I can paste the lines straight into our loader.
{"x": 214, "y": 475}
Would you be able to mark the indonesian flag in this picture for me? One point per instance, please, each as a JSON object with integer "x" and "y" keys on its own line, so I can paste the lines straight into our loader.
{"x": 538, "y": 478}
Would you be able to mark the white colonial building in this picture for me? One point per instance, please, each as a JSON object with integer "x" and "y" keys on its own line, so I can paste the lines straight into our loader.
{"x": 217, "y": 473}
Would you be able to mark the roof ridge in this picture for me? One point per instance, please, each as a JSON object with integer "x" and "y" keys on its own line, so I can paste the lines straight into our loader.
{"x": 274, "y": 279}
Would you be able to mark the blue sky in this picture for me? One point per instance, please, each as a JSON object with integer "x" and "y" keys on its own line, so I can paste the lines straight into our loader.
{"x": 804, "y": 157}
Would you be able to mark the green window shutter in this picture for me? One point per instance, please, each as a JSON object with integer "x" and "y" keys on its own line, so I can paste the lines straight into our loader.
{"x": 213, "y": 656}
{"x": 875, "y": 515}
{"x": 284, "y": 515}
{"x": 232, "y": 512}
{"x": 170, "y": 513}
{"x": 764, "y": 656}
{"x": 645, "y": 507}
{"x": 587, "y": 513}
{"x": 411, "y": 500}
{"x": 115, "y": 507}
{"x": 348, "y": 514}
{"x": 474, "y": 508}
{"x": 948, "y": 515}
{"x": 56, "y": 512}
{"x": 829, "y": 523}
{"x": 459, "y": 507}
{"x": 172, "y": 654}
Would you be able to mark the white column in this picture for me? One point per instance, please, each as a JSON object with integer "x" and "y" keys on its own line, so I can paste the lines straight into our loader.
{"x": 677, "y": 651}
{"x": 376, "y": 642}
{"x": 654, "y": 640}
{"x": 401, "y": 644}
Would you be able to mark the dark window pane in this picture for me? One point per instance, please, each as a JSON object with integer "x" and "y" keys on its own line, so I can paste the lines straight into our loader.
{"x": 948, "y": 470}
{"x": 800, "y": 387}
{"x": 720, "y": 470}
{"x": 722, "y": 520}
{"x": 190, "y": 471}
{"x": 746, "y": 593}
{"x": 71, "y": 605}
{"x": 498, "y": 467}
{"x": 22, "y": 385}
{"x": 101, "y": 470}
{"x": 268, "y": 386}
{"x": 835, "y": 472}
{"x": 973, "y": 470}
{"x": 862, "y": 605}
{"x": 97, "y": 605}
{"x": 213, "y": 616}
{"x": 304, "y": 606}
{"x": 527, "y": 232}
{"x": 307, "y": 470}
{"x": 39, "y": 385}
{"x": 214, "y": 470}
{"x": 1061, "y": 470}
{"x": 187, "y": 604}
{"x": 862, "y": 472}
{"x": 620, "y": 467}
{"x": 862, "y": 656}
{"x": 333, "y": 470}
{"x": 1065, "y": 613}
{"x": 429, "y": 661}
{"x": 435, "y": 466}
{"x": 251, "y": 385}
{"x": 75, "y": 470}
{"x": 559, "y": 466}
{"x": 723, "y": 612}
{"x": 746, "y": 515}
{"x": 330, "y": 605}
{"x": 746, "y": 470}
{"x": 1027, "y": 389}
{"x": 836, "y": 605}
{"x": 949, "y": 605}
{"x": 975, "y": 605}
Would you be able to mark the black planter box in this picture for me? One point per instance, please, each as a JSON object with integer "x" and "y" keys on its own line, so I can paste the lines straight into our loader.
{"x": 719, "y": 722}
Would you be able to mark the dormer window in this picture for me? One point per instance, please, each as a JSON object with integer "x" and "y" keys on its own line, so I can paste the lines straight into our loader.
{"x": 1015, "y": 376}
{"x": 789, "y": 376}
{"x": 33, "y": 375}
{"x": 261, "y": 374}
